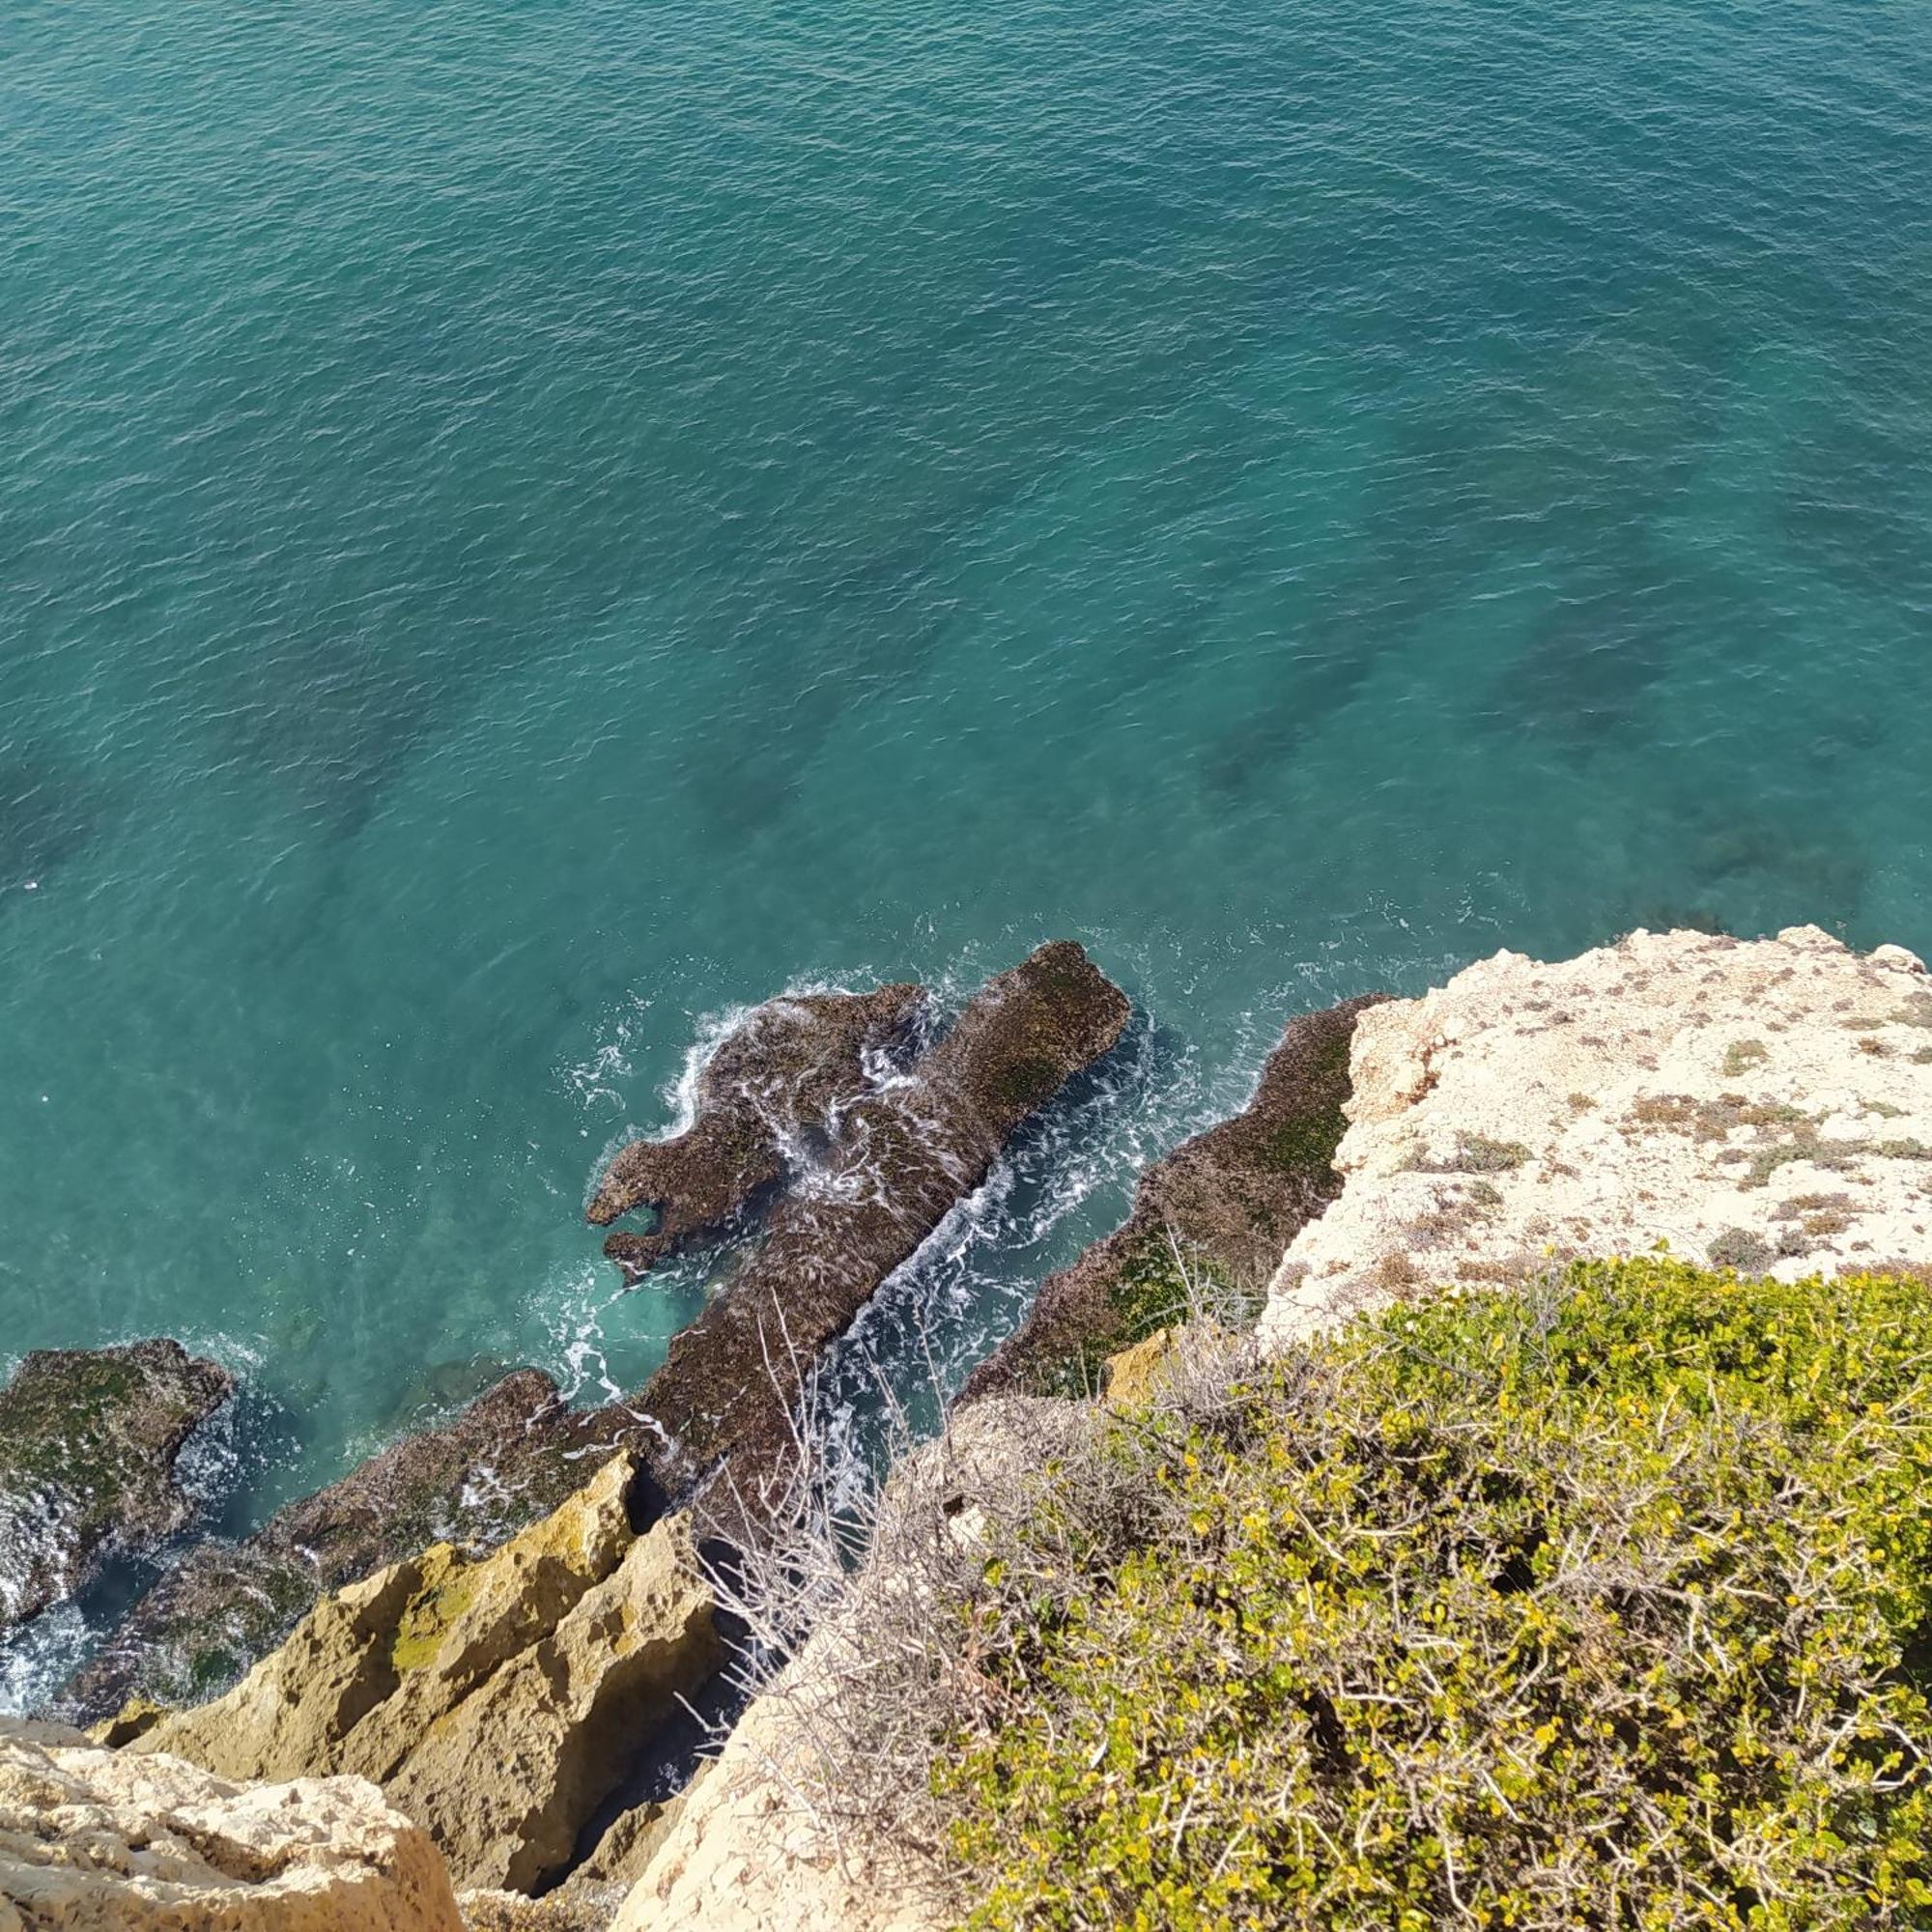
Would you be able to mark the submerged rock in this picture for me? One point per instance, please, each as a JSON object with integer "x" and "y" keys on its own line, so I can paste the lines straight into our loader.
{"x": 1229, "y": 1201}
{"x": 92, "y": 1839}
{"x": 87, "y": 1443}
{"x": 1762, "y": 1104}
{"x": 499, "y": 1702}
{"x": 513, "y": 1455}
{"x": 902, "y": 1156}
{"x": 771, "y": 1090}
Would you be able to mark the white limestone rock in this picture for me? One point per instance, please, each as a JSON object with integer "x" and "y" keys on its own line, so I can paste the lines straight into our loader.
{"x": 1765, "y": 1104}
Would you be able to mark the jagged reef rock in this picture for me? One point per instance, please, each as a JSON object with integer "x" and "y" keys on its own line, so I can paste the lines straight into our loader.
{"x": 87, "y": 1443}
{"x": 1230, "y": 1198}
{"x": 499, "y": 1702}
{"x": 1761, "y": 1104}
{"x": 772, "y": 1090}
{"x": 512, "y": 1456}
{"x": 95, "y": 1840}
{"x": 902, "y": 1156}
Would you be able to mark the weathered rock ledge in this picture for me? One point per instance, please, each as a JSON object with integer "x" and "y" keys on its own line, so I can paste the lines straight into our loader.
{"x": 1230, "y": 1200}
{"x": 498, "y": 1702}
{"x": 92, "y": 1840}
{"x": 89, "y": 1439}
{"x": 1761, "y": 1104}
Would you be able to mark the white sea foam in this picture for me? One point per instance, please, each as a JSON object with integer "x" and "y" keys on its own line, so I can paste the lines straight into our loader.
{"x": 34, "y": 1659}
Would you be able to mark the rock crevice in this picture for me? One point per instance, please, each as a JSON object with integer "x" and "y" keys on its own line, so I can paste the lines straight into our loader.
{"x": 1226, "y": 1203}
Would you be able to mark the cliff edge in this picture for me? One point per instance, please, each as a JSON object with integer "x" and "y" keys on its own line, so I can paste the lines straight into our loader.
{"x": 1764, "y": 1105}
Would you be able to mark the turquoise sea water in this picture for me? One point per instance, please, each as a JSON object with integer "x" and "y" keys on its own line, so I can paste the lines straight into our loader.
{"x": 524, "y": 524}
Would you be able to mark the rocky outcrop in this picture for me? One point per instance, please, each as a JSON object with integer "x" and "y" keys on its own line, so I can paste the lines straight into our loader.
{"x": 88, "y": 1444}
{"x": 879, "y": 1173}
{"x": 785, "y": 1829}
{"x": 766, "y": 1098}
{"x": 1229, "y": 1200}
{"x": 902, "y": 1156}
{"x": 93, "y": 1840}
{"x": 1765, "y": 1106}
{"x": 747, "y": 1856}
{"x": 513, "y": 1455}
{"x": 499, "y": 1702}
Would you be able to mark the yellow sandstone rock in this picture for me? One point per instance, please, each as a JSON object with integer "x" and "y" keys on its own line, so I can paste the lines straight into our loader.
{"x": 1135, "y": 1374}
{"x": 498, "y": 1701}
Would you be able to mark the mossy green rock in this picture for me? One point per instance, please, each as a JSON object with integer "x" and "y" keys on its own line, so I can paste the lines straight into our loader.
{"x": 1209, "y": 1219}
{"x": 87, "y": 1443}
{"x": 508, "y": 1459}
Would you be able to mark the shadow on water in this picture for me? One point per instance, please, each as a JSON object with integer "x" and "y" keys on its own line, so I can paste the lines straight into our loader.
{"x": 48, "y": 815}
{"x": 334, "y": 723}
{"x": 1592, "y": 660}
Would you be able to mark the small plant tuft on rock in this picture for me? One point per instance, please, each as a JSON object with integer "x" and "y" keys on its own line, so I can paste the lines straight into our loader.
{"x": 1741, "y": 1249}
{"x": 1741, "y": 1055}
{"x": 1475, "y": 1153}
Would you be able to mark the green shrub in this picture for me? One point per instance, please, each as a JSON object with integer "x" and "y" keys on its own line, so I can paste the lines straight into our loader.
{"x": 1605, "y": 1606}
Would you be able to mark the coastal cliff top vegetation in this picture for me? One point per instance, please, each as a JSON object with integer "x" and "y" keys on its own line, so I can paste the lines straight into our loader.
{"x": 1606, "y": 1605}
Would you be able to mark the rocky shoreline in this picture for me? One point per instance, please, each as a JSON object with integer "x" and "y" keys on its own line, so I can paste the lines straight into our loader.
{"x": 1221, "y": 1206}
{"x": 836, "y": 1133}
{"x": 499, "y": 1623}
{"x": 89, "y": 1441}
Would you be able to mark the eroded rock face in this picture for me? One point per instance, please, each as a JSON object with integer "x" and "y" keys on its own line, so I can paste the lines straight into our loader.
{"x": 365, "y": 1674}
{"x": 559, "y": 1725}
{"x": 499, "y": 1702}
{"x": 88, "y": 1444}
{"x": 93, "y": 1840}
{"x": 513, "y": 1455}
{"x": 770, "y": 1091}
{"x": 1231, "y": 1198}
{"x": 1765, "y": 1106}
{"x": 903, "y": 1154}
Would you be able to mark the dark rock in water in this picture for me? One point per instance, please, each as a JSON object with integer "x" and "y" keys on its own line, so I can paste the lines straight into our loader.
{"x": 513, "y": 1455}
{"x": 901, "y": 1157}
{"x": 777, "y": 1083}
{"x": 1231, "y": 1200}
{"x": 893, "y": 1160}
{"x": 88, "y": 1442}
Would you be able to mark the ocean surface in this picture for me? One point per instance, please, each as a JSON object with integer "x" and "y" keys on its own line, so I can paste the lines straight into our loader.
{"x": 527, "y": 524}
